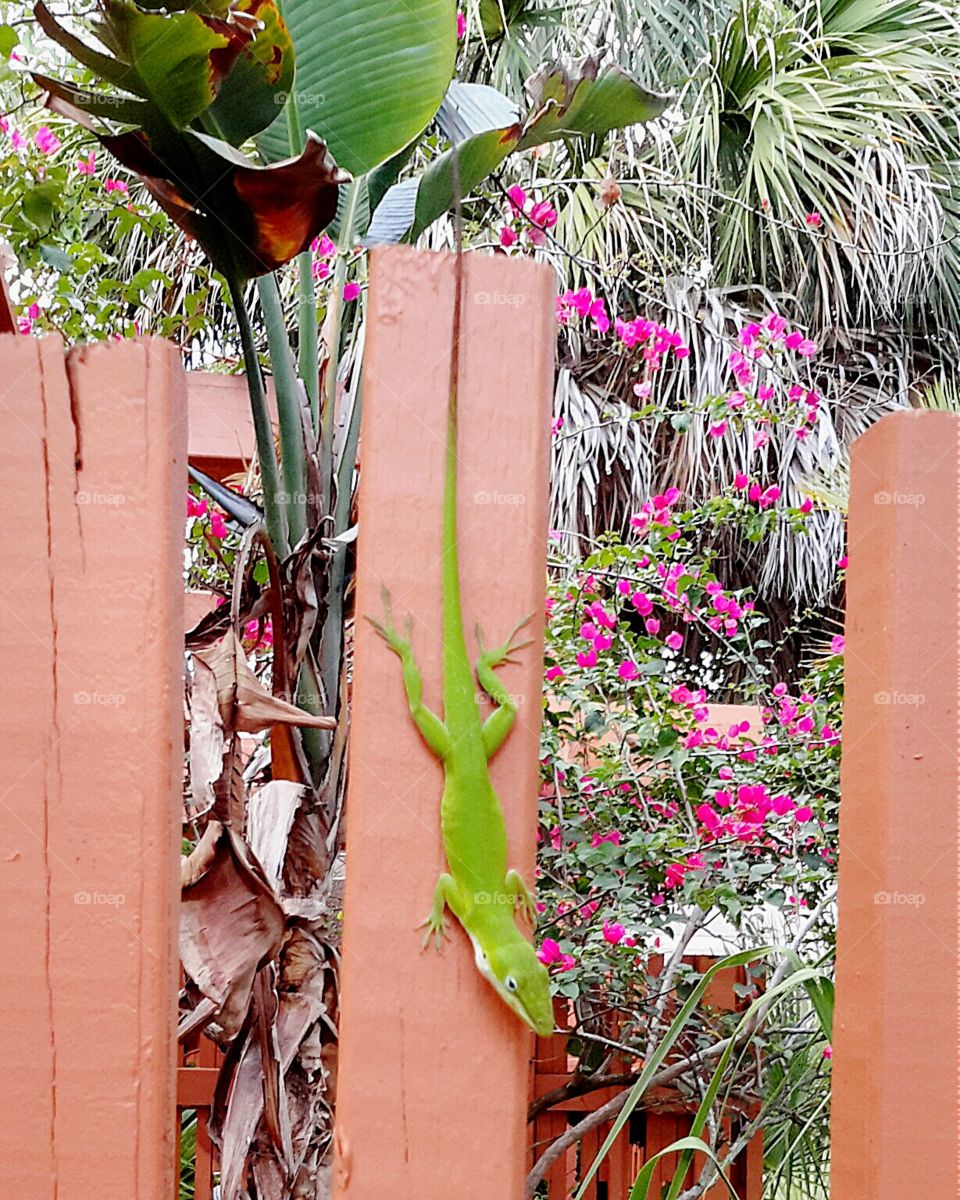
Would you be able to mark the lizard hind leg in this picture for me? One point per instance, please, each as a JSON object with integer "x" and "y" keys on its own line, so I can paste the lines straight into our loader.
{"x": 432, "y": 729}
{"x": 525, "y": 902}
{"x": 498, "y": 725}
{"x": 444, "y": 896}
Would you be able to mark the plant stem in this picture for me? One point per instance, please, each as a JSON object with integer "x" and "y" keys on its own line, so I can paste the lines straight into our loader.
{"x": 333, "y": 350}
{"x": 308, "y": 335}
{"x": 288, "y": 408}
{"x": 276, "y": 517}
{"x": 307, "y": 339}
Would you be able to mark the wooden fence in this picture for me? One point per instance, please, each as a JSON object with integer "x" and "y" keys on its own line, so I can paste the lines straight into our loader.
{"x": 92, "y": 466}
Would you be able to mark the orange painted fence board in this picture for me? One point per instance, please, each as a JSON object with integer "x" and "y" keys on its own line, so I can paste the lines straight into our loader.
{"x": 92, "y": 468}
{"x": 895, "y": 1117}
{"x": 433, "y": 1067}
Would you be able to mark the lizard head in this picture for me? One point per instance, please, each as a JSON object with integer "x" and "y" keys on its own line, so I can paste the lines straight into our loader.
{"x": 521, "y": 980}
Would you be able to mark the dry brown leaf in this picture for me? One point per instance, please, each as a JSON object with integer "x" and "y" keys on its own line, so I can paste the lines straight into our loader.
{"x": 206, "y": 739}
{"x": 193, "y": 866}
{"x": 297, "y": 1015}
{"x": 230, "y": 923}
{"x": 270, "y": 813}
{"x": 245, "y": 704}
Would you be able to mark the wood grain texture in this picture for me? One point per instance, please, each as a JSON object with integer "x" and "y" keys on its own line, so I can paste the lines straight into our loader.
{"x": 92, "y": 465}
{"x": 433, "y": 1066}
{"x": 894, "y": 1113}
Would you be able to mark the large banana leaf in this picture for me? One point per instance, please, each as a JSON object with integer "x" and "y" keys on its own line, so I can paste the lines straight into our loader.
{"x": 485, "y": 129}
{"x": 369, "y": 76}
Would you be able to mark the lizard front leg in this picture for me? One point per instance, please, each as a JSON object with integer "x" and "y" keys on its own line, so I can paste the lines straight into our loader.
{"x": 432, "y": 729}
{"x": 498, "y": 725}
{"x": 516, "y": 887}
{"x": 444, "y": 896}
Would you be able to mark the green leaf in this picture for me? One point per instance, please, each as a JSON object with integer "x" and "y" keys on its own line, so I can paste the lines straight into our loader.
{"x": 253, "y": 93}
{"x": 821, "y": 993}
{"x": 562, "y": 107}
{"x": 171, "y": 55}
{"x": 9, "y": 39}
{"x": 370, "y": 77}
{"x": 56, "y": 258}
{"x": 39, "y": 205}
{"x": 641, "y": 1187}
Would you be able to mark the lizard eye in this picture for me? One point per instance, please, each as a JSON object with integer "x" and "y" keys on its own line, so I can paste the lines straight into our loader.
{"x": 510, "y": 983}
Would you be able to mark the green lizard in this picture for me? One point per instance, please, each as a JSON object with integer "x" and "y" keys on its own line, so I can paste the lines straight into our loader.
{"x": 477, "y": 888}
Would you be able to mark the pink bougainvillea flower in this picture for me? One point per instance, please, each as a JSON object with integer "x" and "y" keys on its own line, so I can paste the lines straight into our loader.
{"x": 614, "y": 837}
{"x": 508, "y": 236}
{"x": 553, "y": 673}
{"x": 807, "y": 348}
{"x": 642, "y": 603}
{"x": 718, "y": 429}
{"x": 740, "y": 481}
{"x": 837, "y": 644}
{"x": 252, "y": 632}
{"x": 628, "y": 670}
{"x": 602, "y": 641}
{"x": 321, "y": 270}
{"x": 708, "y": 818}
{"x": 642, "y": 390}
{"x": 549, "y": 952}
{"x": 115, "y": 185}
{"x": 218, "y": 527}
{"x": 517, "y": 197}
{"x": 613, "y": 932}
{"x": 461, "y": 24}
{"x": 807, "y": 505}
{"x": 18, "y": 140}
{"x": 674, "y": 875}
{"x": 556, "y": 425}
{"x": 828, "y": 1051}
{"x": 587, "y": 658}
{"x": 803, "y": 815}
{"x": 351, "y": 291}
{"x": 842, "y": 562}
{"x": 652, "y": 626}
{"x": 88, "y": 165}
{"x": 46, "y": 140}
{"x": 674, "y": 641}
{"x": 814, "y": 219}
{"x": 195, "y": 507}
{"x": 543, "y": 214}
